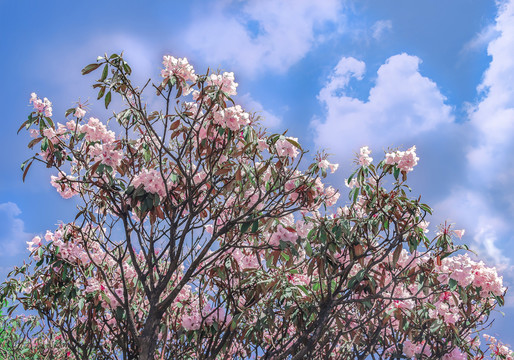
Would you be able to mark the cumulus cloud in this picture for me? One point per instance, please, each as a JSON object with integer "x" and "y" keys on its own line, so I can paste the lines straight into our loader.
{"x": 472, "y": 210}
{"x": 402, "y": 104}
{"x": 489, "y": 199}
{"x": 12, "y": 234}
{"x": 268, "y": 119}
{"x": 380, "y": 28}
{"x": 481, "y": 40}
{"x": 269, "y": 34}
{"x": 493, "y": 117}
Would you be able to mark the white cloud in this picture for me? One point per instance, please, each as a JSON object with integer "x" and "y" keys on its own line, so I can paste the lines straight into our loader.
{"x": 481, "y": 40}
{"x": 490, "y": 159}
{"x": 12, "y": 234}
{"x": 487, "y": 204}
{"x": 268, "y": 34}
{"x": 402, "y": 104}
{"x": 471, "y": 210}
{"x": 381, "y": 27}
{"x": 268, "y": 119}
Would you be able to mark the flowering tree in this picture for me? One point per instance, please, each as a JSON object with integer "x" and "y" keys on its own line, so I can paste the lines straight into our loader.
{"x": 199, "y": 236}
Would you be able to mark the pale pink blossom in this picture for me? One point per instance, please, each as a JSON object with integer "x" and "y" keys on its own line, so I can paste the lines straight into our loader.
{"x": 324, "y": 164}
{"x": 42, "y": 106}
{"x": 107, "y": 154}
{"x": 282, "y": 234}
{"x": 331, "y": 196}
{"x": 459, "y": 233}
{"x": 303, "y": 228}
{"x": 192, "y": 321}
{"x": 152, "y": 182}
{"x": 232, "y": 117}
{"x": 79, "y": 112}
{"x": 364, "y": 158}
{"x": 178, "y": 67}
{"x": 225, "y": 82}
{"x": 65, "y": 185}
{"x": 405, "y": 160}
{"x": 286, "y": 148}
{"x": 34, "y": 244}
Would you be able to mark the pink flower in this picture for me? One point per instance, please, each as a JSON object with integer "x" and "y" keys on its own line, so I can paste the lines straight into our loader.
{"x": 332, "y": 196}
{"x": 192, "y": 322}
{"x": 324, "y": 164}
{"x": 225, "y": 82}
{"x": 179, "y": 67}
{"x": 65, "y": 185}
{"x": 285, "y": 148}
{"x": 405, "y": 160}
{"x": 282, "y": 234}
{"x": 232, "y": 117}
{"x": 79, "y": 112}
{"x": 303, "y": 228}
{"x": 459, "y": 233}
{"x": 41, "y": 106}
{"x": 34, "y": 244}
{"x": 364, "y": 158}
{"x": 106, "y": 154}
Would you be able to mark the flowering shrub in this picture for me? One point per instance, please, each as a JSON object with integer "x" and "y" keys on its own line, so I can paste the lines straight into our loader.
{"x": 199, "y": 236}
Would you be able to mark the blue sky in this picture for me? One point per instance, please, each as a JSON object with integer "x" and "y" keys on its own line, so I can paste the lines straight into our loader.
{"x": 338, "y": 74}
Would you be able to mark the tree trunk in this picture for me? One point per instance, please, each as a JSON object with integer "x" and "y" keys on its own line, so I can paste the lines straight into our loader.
{"x": 148, "y": 338}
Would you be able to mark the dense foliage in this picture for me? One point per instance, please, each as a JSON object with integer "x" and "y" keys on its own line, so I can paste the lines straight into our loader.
{"x": 200, "y": 236}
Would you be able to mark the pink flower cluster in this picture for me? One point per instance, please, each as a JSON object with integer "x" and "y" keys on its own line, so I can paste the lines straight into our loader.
{"x": 65, "y": 185}
{"x": 303, "y": 228}
{"x": 285, "y": 148}
{"x": 410, "y": 349}
{"x": 232, "y": 117}
{"x": 79, "y": 112}
{"x": 95, "y": 130}
{"x": 324, "y": 164}
{"x": 405, "y": 160}
{"x": 36, "y": 241}
{"x": 446, "y": 308}
{"x": 177, "y": 67}
{"x": 282, "y": 234}
{"x": 466, "y": 271}
{"x": 73, "y": 251}
{"x": 245, "y": 261}
{"x": 499, "y": 349}
{"x": 55, "y": 136}
{"x": 364, "y": 158}
{"x": 225, "y": 82}
{"x": 152, "y": 182}
{"x": 332, "y": 196}
{"x": 455, "y": 354}
{"x": 107, "y": 154}
{"x": 42, "y": 106}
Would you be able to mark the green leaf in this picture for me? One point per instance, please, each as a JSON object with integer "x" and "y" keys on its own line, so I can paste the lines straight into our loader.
{"x": 356, "y": 279}
{"x": 291, "y": 141}
{"x": 69, "y": 111}
{"x": 104, "y": 72}
{"x": 107, "y": 99}
{"x": 499, "y": 299}
{"x": 245, "y": 226}
{"x": 255, "y": 226}
{"x": 127, "y": 68}
{"x": 101, "y": 93}
{"x": 89, "y": 68}
{"x": 308, "y": 248}
{"x": 396, "y": 254}
{"x": 453, "y": 284}
{"x": 81, "y": 303}
{"x": 396, "y": 173}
